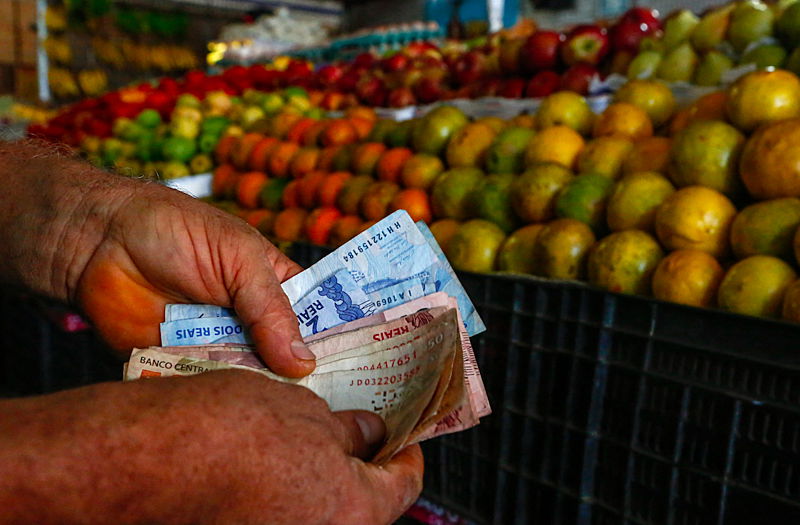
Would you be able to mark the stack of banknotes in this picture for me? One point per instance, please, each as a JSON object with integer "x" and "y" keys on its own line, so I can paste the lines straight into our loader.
{"x": 387, "y": 319}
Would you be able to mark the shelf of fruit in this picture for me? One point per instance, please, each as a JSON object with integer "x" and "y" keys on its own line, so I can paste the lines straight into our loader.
{"x": 696, "y": 205}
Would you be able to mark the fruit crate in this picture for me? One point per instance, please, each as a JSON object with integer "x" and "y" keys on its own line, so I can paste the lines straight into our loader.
{"x": 608, "y": 409}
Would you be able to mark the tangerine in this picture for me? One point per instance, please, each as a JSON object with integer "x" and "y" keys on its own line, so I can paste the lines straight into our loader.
{"x": 688, "y": 277}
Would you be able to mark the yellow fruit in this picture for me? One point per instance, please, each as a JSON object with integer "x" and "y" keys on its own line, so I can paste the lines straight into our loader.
{"x": 624, "y": 262}
{"x": 559, "y": 144}
{"x": 635, "y": 199}
{"x": 695, "y": 218}
{"x": 474, "y": 246}
{"x": 604, "y": 156}
{"x": 622, "y": 118}
{"x": 791, "y": 302}
{"x": 565, "y": 108}
{"x": 706, "y": 153}
{"x": 766, "y": 228}
{"x": 688, "y": 277}
{"x": 648, "y": 154}
{"x": 770, "y": 163}
{"x": 763, "y": 96}
{"x": 561, "y": 249}
{"x": 652, "y": 96}
{"x": 533, "y": 194}
{"x": 516, "y": 253}
{"x": 755, "y": 286}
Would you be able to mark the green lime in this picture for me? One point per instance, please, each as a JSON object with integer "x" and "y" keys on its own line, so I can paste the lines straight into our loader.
{"x": 149, "y": 118}
{"x": 179, "y": 149}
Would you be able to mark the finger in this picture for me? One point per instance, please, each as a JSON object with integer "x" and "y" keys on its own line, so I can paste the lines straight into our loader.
{"x": 260, "y": 302}
{"x": 398, "y": 484}
{"x": 364, "y": 432}
{"x": 285, "y": 268}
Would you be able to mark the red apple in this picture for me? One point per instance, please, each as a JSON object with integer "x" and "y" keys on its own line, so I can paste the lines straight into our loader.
{"x": 429, "y": 89}
{"x": 543, "y": 83}
{"x": 488, "y": 87}
{"x": 643, "y": 15}
{"x": 330, "y": 74}
{"x": 540, "y": 51}
{"x": 585, "y": 43}
{"x": 396, "y": 62}
{"x": 469, "y": 68}
{"x": 512, "y": 88}
{"x": 578, "y": 77}
{"x": 364, "y": 61}
{"x": 401, "y": 97}
{"x": 415, "y": 49}
{"x": 371, "y": 91}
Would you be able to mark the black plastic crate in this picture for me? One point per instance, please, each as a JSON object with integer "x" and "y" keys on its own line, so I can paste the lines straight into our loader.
{"x": 608, "y": 409}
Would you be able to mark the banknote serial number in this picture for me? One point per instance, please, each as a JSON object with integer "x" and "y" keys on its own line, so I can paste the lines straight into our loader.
{"x": 393, "y": 379}
{"x": 390, "y": 363}
{"x": 376, "y": 238}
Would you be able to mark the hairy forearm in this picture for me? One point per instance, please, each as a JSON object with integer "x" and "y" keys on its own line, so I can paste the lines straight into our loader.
{"x": 53, "y": 212}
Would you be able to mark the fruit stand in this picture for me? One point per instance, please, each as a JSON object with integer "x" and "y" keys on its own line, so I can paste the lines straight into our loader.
{"x": 621, "y": 200}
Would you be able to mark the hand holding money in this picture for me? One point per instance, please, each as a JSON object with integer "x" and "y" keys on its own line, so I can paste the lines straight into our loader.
{"x": 387, "y": 320}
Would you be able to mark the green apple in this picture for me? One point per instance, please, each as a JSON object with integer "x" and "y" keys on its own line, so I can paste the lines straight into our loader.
{"x": 679, "y": 64}
{"x": 711, "y": 68}
{"x": 644, "y": 65}
{"x": 750, "y": 22}
{"x": 188, "y": 100}
{"x": 764, "y": 56}
{"x": 787, "y": 27}
{"x": 712, "y": 28}
{"x": 120, "y": 126}
{"x": 272, "y": 103}
{"x": 678, "y": 28}
{"x": 112, "y": 149}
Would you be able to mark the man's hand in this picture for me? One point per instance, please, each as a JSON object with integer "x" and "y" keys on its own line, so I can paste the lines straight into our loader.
{"x": 223, "y": 447}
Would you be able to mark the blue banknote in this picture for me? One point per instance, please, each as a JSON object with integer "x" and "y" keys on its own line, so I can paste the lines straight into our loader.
{"x": 176, "y": 312}
{"x": 337, "y": 300}
{"x": 452, "y": 286}
{"x": 203, "y": 331}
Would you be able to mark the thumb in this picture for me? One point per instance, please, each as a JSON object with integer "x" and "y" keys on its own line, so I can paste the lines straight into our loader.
{"x": 262, "y": 305}
{"x": 364, "y": 432}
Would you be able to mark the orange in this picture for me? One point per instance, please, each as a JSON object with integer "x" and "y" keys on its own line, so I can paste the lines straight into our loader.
{"x": 365, "y": 157}
{"x": 475, "y": 245}
{"x": 309, "y": 186}
{"x": 312, "y": 133}
{"x": 647, "y": 154}
{"x": 390, "y": 165}
{"x": 516, "y": 253}
{"x": 491, "y": 200}
{"x": 222, "y": 151}
{"x": 565, "y": 108}
{"x": 291, "y": 195}
{"x": 343, "y": 158}
{"x": 496, "y": 123}
{"x": 260, "y": 153}
{"x": 303, "y": 162}
{"x": 708, "y": 107}
{"x": 363, "y": 112}
{"x": 706, "y": 153}
{"x": 624, "y": 262}
{"x": 688, "y": 277}
{"x": 421, "y": 171}
{"x": 761, "y": 97}
{"x": 376, "y": 199}
{"x": 533, "y": 194}
{"x": 585, "y": 198}
{"x": 289, "y": 224}
{"x": 329, "y": 189}
{"x": 469, "y": 145}
{"x": 415, "y": 201}
{"x": 262, "y": 220}
{"x": 319, "y": 224}
{"x": 344, "y": 229}
{"x": 756, "y": 286}
{"x": 326, "y": 156}
{"x": 352, "y": 191}
{"x": 770, "y": 163}
{"x": 791, "y": 303}
{"x": 622, "y": 118}
{"x": 363, "y": 126}
{"x": 635, "y": 199}
{"x": 281, "y": 123}
{"x": 523, "y": 121}
{"x": 443, "y": 230}
{"x": 561, "y": 249}
{"x": 299, "y": 128}
{"x": 695, "y": 217}
{"x": 604, "y": 156}
{"x": 766, "y": 228}
{"x": 223, "y": 181}
{"x": 240, "y": 152}
{"x": 338, "y": 132}
{"x": 654, "y": 97}
{"x": 248, "y": 189}
{"x": 559, "y": 144}
{"x": 280, "y": 159}
{"x": 450, "y": 196}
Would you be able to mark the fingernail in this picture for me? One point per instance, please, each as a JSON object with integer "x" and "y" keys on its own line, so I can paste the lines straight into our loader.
{"x": 371, "y": 428}
{"x": 301, "y": 351}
